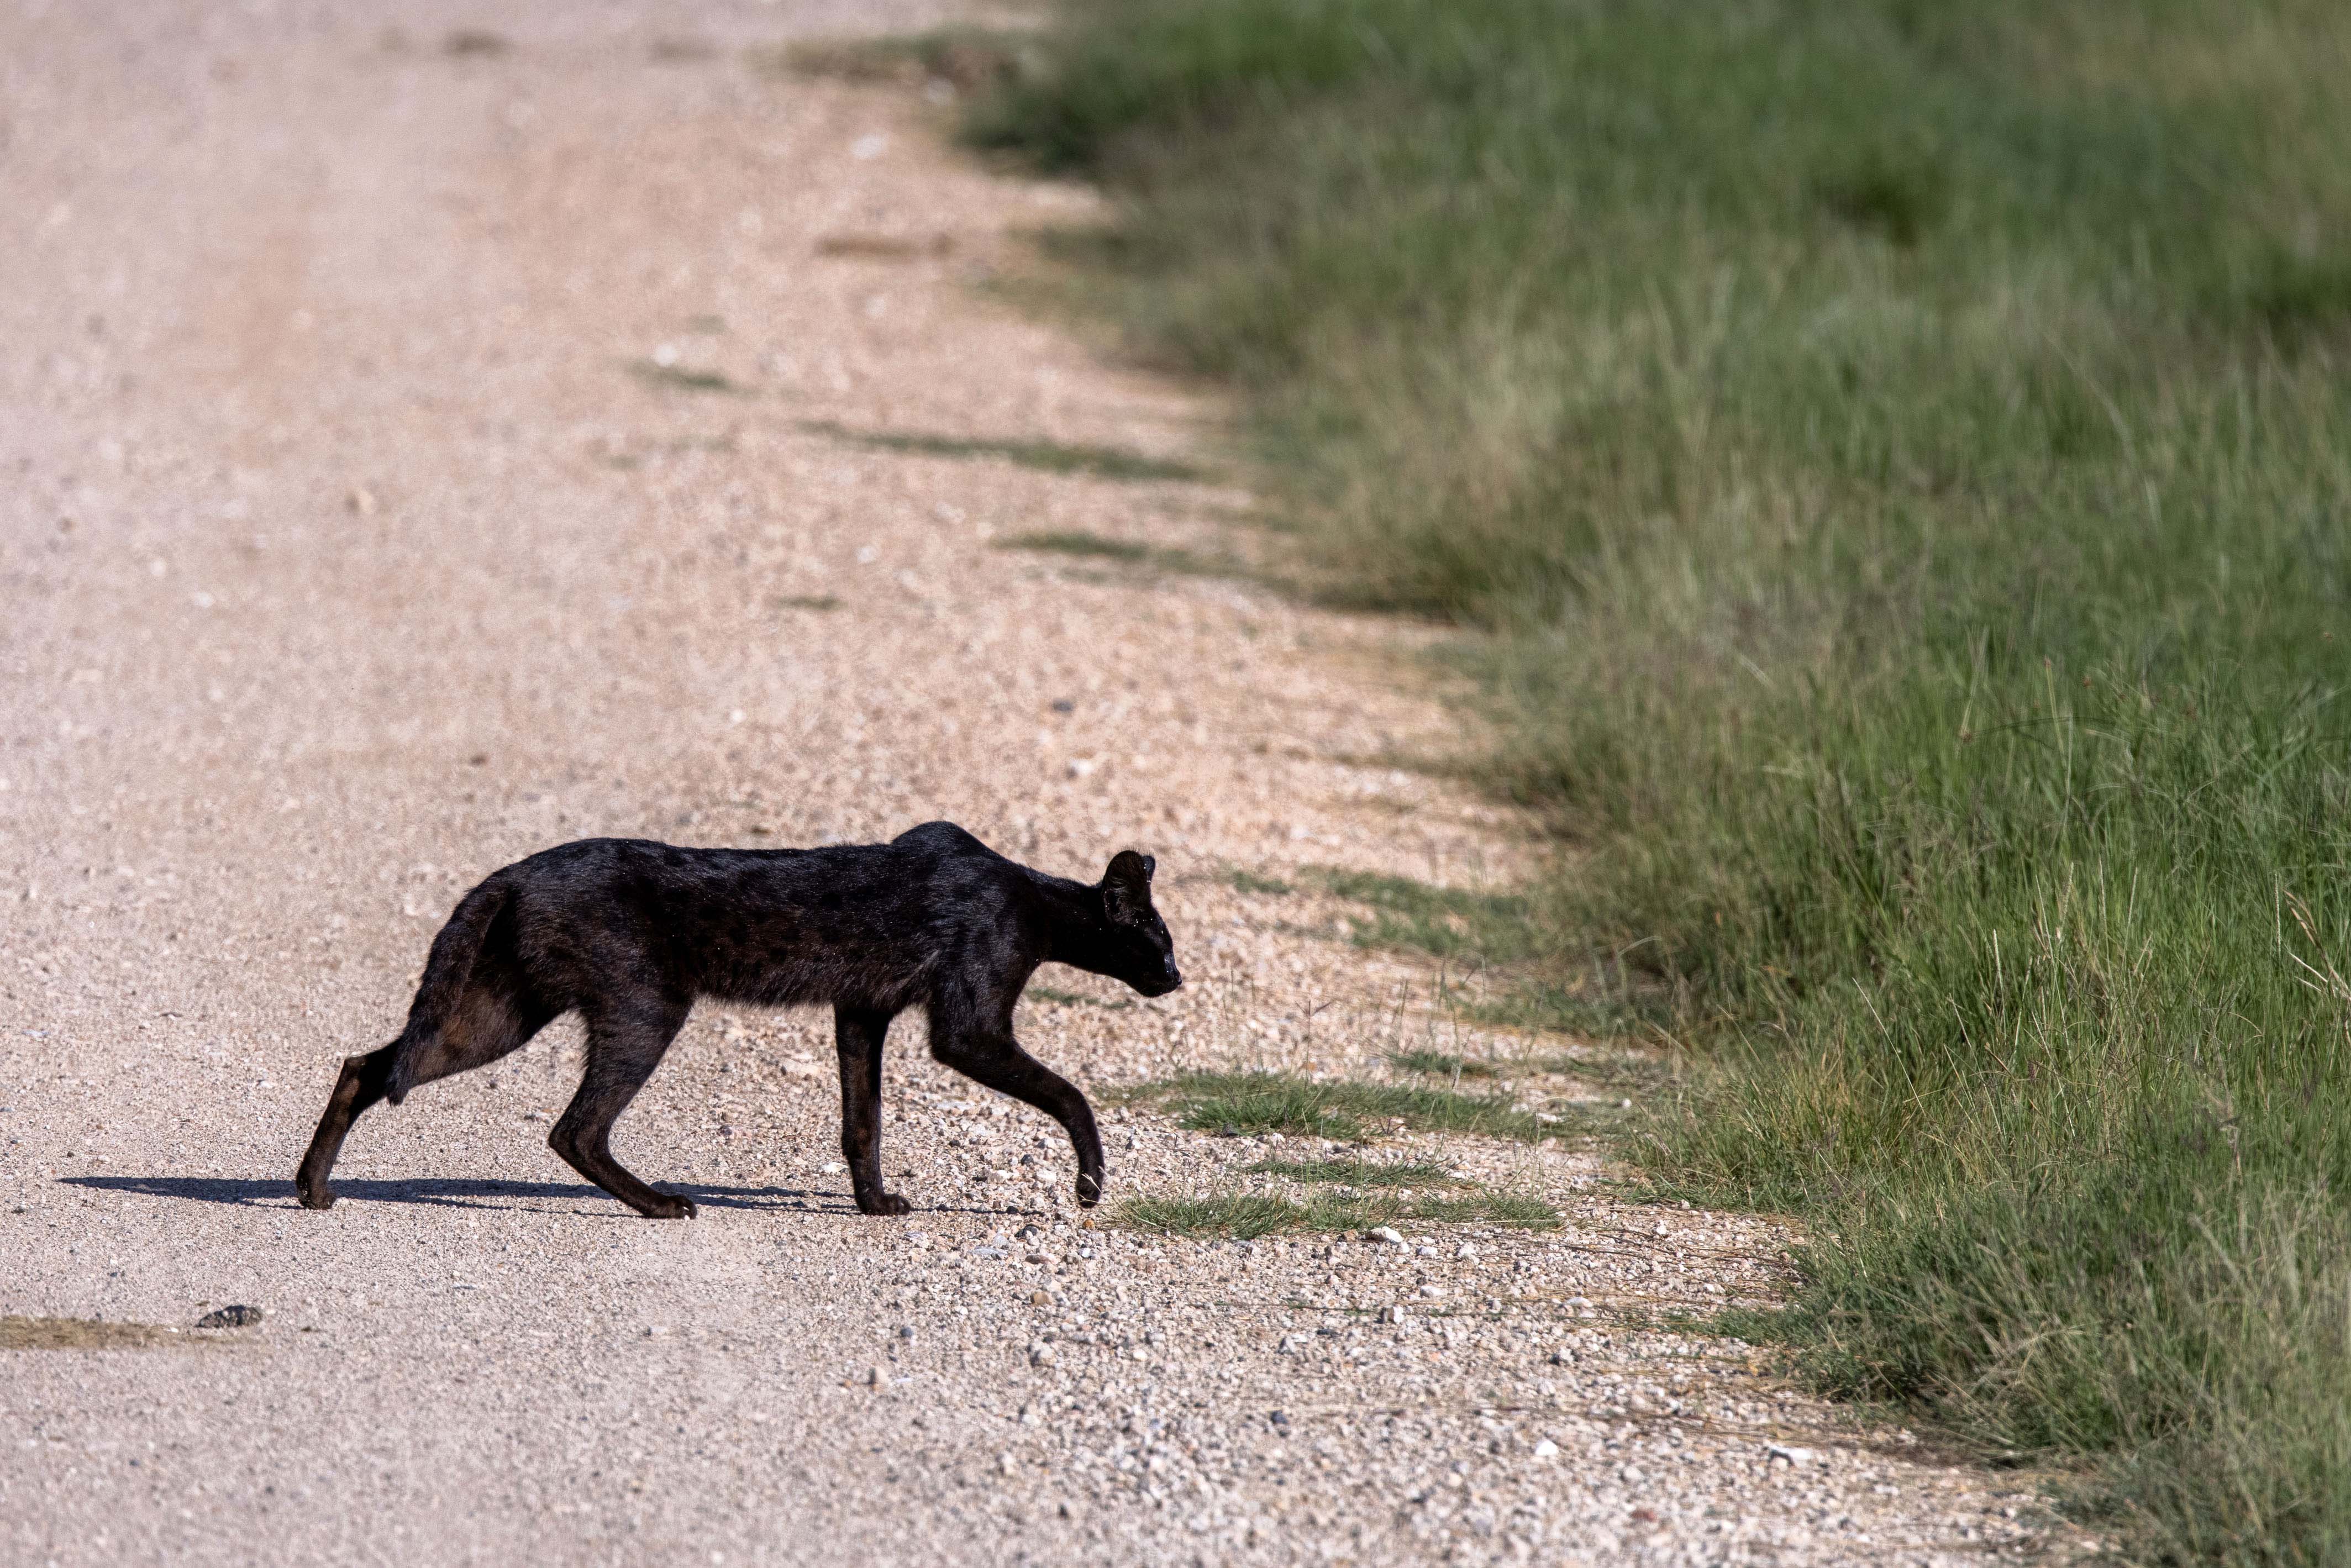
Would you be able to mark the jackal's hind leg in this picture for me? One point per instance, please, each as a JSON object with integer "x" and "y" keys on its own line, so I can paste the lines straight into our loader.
{"x": 363, "y": 1082}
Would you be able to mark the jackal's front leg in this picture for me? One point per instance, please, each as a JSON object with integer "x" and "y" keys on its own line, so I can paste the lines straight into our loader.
{"x": 997, "y": 1062}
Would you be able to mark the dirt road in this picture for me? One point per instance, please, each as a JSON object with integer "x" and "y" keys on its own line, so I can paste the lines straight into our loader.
{"x": 428, "y": 442}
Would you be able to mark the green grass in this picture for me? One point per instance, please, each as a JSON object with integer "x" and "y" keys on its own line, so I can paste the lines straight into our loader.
{"x": 817, "y": 602}
{"x": 1280, "y": 1103}
{"x": 1641, "y": 1076}
{"x": 1613, "y": 1072}
{"x": 1448, "y": 923}
{"x": 1073, "y": 542}
{"x": 1052, "y": 456}
{"x": 1246, "y": 1216}
{"x": 1250, "y": 881}
{"x": 473, "y": 42}
{"x": 1538, "y": 1003}
{"x": 1359, "y": 1172}
{"x": 1126, "y": 552}
{"x": 676, "y": 378}
{"x": 967, "y": 57}
{"x": 681, "y": 51}
{"x": 1440, "y": 1064}
{"x": 1892, "y": 465}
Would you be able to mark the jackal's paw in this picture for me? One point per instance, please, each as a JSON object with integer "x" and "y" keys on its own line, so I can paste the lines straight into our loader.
{"x": 318, "y": 1196}
{"x": 883, "y": 1202}
{"x": 1089, "y": 1190}
{"x": 668, "y": 1206}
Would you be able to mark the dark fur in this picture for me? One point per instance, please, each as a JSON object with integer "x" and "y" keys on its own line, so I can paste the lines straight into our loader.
{"x": 631, "y": 934}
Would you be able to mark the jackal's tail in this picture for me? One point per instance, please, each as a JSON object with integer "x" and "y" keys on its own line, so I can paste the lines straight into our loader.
{"x": 446, "y": 970}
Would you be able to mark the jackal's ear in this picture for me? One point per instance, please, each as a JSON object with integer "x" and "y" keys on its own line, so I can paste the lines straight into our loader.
{"x": 1126, "y": 886}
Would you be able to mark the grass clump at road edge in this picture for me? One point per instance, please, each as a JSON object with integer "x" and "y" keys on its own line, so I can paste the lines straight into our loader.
{"x": 1246, "y": 1216}
{"x": 676, "y": 378}
{"x": 1249, "y": 1102}
{"x": 1071, "y": 542}
{"x": 1126, "y": 552}
{"x": 1900, "y": 459}
{"x": 1440, "y": 1064}
{"x": 1359, "y": 1173}
{"x": 1052, "y": 456}
{"x": 1444, "y": 921}
{"x": 965, "y": 57}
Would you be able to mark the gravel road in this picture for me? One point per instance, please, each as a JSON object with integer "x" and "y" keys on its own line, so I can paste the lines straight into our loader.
{"x": 434, "y": 434}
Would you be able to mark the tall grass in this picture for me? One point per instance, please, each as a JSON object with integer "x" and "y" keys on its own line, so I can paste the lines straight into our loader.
{"x": 1900, "y": 457}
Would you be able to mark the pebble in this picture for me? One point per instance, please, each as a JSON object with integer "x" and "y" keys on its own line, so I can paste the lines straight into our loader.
{"x": 236, "y": 1317}
{"x": 1383, "y": 1233}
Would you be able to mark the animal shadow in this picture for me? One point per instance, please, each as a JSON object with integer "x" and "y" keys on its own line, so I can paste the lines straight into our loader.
{"x": 447, "y": 1192}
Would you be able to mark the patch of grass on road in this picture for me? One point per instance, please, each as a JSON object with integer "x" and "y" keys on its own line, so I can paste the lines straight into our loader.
{"x": 1445, "y": 922}
{"x": 1359, "y": 1173}
{"x": 1073, "y": 542}
{"x": 677, "y": 377}
{"x": 86, "y": 1333}
{"x": 1052, "y": 456}
{"x": 471, "y": 43}
{"x": 968, "y": 58}
{"x": 1079, "y": 543}
{"x": 1245, "y": 1216}
{"x": 1896, "y": 459}
{"x": 1439, "y": 1064}
{"x": 884, "y": 247}
{"x": 1582, "y": 1005}
{"x": 1249, "y": 1102}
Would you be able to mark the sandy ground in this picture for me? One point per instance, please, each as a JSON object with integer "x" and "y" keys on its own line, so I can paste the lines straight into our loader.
{"x": 420, "y": 449}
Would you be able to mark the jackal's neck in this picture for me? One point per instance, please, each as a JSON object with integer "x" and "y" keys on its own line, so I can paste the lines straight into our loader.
{"x": 1077, "y": 930}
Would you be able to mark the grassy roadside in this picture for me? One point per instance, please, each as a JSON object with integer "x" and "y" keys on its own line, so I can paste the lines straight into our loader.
{"x": 1250, "y": 1216}
{"x": 1246, "y": 1102}
{"x": 1898, "y": 461}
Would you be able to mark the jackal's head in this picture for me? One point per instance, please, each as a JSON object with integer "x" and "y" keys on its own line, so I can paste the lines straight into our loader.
{"x": 1141, "y": 953}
